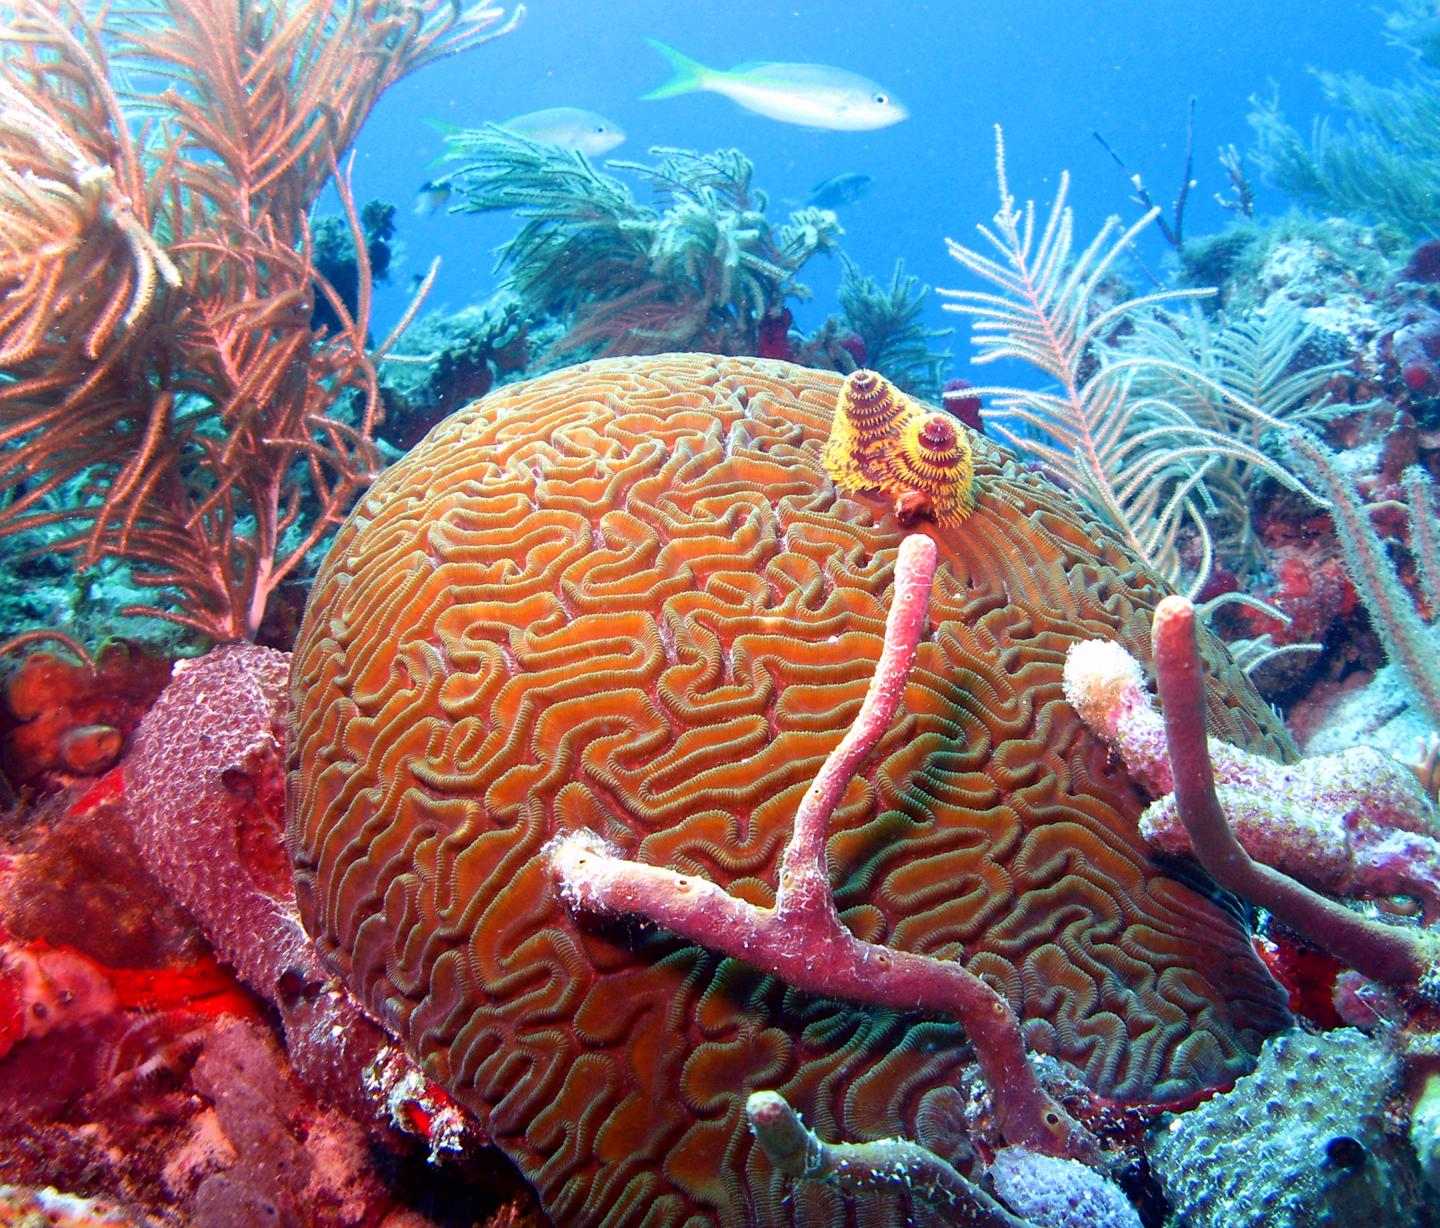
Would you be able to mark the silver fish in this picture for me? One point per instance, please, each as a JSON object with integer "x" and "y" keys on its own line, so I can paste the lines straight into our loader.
{"x": 814, "y": 95}
{"x": 570, "y": 128}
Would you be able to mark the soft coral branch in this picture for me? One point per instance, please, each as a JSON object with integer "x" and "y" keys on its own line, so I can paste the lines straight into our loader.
{"x": 159, "y": 287}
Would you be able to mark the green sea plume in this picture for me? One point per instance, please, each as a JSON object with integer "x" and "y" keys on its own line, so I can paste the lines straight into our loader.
{"x": 889, "y": 322}
{"x": 702, "y": 268}
{"x": 1385, "y": 165}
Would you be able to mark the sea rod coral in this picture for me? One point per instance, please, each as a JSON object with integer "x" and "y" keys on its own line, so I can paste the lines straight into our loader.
{"x": 165, "y": 402}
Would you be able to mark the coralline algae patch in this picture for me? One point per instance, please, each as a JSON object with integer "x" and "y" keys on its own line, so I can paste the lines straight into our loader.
{"x": 49, "y": 1208}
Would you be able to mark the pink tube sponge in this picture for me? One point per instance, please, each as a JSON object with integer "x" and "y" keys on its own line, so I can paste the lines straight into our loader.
{"x": 1353, "y": 824}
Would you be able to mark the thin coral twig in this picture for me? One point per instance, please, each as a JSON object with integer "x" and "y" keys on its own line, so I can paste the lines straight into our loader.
{"x": 417, "y": 300}
{"x": 60, "y": 637}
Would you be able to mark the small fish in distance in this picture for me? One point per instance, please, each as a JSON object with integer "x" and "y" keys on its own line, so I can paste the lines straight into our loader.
{"x": 813, "y": 95}
{"x": 842, "y": 189}
{"x": 431, "y": 198}
{"x": 570, "y": 128}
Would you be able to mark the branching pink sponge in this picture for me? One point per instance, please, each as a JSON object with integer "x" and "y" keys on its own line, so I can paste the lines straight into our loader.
{"x": 801, "y": 939}
{"x": 1353, "y": 825}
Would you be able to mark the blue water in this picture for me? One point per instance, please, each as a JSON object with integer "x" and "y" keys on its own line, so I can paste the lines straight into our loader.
{"x": 1049, "y": 71}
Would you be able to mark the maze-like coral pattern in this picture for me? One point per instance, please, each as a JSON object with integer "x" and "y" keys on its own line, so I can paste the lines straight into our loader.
{"x": 624, "y": 597}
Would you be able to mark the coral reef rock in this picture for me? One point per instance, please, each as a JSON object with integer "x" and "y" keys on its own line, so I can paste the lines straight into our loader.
{"x": 626, "y": 598}
{"x": 1301, "y": 1141}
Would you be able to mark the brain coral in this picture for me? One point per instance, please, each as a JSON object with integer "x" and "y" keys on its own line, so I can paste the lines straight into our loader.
{"x": 625, "y": 597}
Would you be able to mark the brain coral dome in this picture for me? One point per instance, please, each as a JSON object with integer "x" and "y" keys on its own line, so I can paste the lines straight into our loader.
{"x": 627, "y": 597}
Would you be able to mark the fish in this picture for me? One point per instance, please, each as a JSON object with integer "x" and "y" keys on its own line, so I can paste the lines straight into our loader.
{"x": 842, "y": 189}
{"x": 432, "y": 197}
{"x": 570, "y": 128}
{"x": 812, "y": 95}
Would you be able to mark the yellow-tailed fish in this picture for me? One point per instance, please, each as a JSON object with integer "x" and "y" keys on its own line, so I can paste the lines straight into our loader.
{"x": 814, "y": 95}
{"x": 570, "y": 128}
